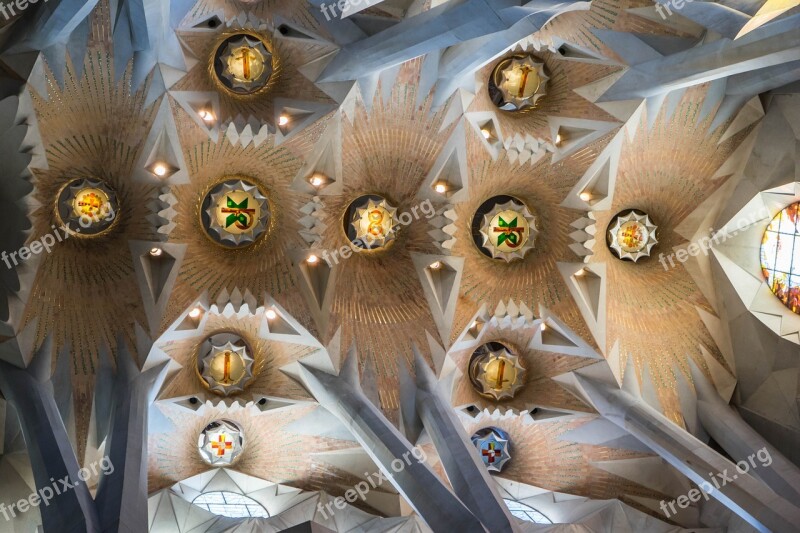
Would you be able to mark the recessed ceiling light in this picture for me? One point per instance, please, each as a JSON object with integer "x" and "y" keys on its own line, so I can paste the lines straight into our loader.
{"x": 206, "y": 115}
{"x": 160, "y": 170}
{"x": 271, "y": 314}
{"x": 486, "y": 133}
{"x": 440, "y": 187}
{"x": 283, "y": 120}
{"x": 156, "y": 252}
{"x": 586, "y": 196}
{"x": 195, "y": 313}
{"x": 436, "y": 265}
{"x": 312, "y": 259}
{"x": 316, "y": 180}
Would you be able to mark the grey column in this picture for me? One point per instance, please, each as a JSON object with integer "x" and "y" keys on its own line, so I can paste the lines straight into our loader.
{"x": 52, "y": 457}
{"x": 746, "y": 496}
{"x": 741, "y": 441}
{"x": 122, "y": 495}
{"x": 465, "y": 471}
{"x": 416, "y": 482}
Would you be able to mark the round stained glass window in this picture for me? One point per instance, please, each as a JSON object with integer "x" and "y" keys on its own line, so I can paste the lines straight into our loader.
{"x": 780, "y": 256}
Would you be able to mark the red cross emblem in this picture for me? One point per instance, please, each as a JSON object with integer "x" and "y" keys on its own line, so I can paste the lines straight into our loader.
{"x": 490, "y": 453}
{"x": 222, "y": 445}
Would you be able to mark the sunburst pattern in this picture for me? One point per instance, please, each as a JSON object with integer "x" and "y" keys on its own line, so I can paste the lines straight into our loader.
{"x": 653, "y": 312}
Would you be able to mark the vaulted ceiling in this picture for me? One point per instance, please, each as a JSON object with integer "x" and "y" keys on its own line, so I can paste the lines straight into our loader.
{"x": 641, "y": 112}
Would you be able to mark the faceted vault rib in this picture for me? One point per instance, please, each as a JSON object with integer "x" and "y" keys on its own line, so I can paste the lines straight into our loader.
{"x": 745, "y": 495}
{"x": 766, "y": 47}
{"x": 444, "y": 26}
{"x": 343, "y": 397}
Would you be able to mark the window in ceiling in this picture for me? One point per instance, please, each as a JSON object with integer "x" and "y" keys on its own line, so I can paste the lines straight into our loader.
{"x": 231, "y": 505}
{"x": 526, "y": 512}
{"x": 780, "y": 256}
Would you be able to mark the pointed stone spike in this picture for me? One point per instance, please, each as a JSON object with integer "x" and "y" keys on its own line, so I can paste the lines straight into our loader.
{"x": 410, "y": 423}
{"x": 369, "y": 382}
{"x": 349, "y": 371}
{"x": 41, "y": 364}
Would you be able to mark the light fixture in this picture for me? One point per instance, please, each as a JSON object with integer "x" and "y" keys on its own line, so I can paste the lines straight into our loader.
{"x": 586, "y": 196}
{"x": 543, "y": 326}
{"x": 195, "y": 313}
{"x": 440, "y": 187}
{"x": 283, "y": 120}
{"x": 436, "y": 265}
{"x": 206, "y": 115}
{"x": 486, "y": 133}
{"x": 316, "y": 180}
{"x": 312, "y": 259}
{"x": 156, "y": 252}
{"x": 160, "y": 170}
{"x": 474, "y": 325}
{"x": 580, "y": 272}
{"x": 558, "y": 138}
{"x": 271, "y": 314}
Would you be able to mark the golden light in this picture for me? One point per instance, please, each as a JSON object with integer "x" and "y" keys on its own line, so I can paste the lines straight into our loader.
{"x": 474, "y": 325}
{"x": 312, "y": 260}
{"x": 195, "y": 313}
{"x": 436, "y": 265}
{"x": 586, "y": 196}
{"x": 227, "y": 368}
{"x": 246, "y": 64}
{"x": 543, "y": 326}
{"x": 271, "y": 314}
{"x": 500, "y": 373}
{"x": 440, "y": 187}
{"x": 558, "y": 138}
{"x": 91, "y": 203}
{"x": 580, "y": 272}
{"x": 156, "y": 252}
{"x": 283, "y": 120}
{"x": 160, "y": 170}
{"x": 486, "y": 133}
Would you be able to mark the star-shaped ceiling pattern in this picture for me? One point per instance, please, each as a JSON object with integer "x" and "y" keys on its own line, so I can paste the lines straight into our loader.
{"x": 299, "y": 301}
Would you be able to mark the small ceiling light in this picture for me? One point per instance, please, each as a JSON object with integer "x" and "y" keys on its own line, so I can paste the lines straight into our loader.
{"x": 316, "y": 180}
{"x": 486, "y": 133}
{"x": 580, "y": 272}
{"x": 440, "y": 187}
{"x": 206, "y": 115}
{"x": 474, "y": 325}
{"x": 586, "y": 196}
{"x": 312, "y": 260}
{"x": 544, "y": 326}
{"x": 156, "y": 252}
{"x": 436, "y": 265}
{"x": 271, "y": 314}
{"x": 160, "y": 170}
{"x": 195, "y": 313}
{"x": 283, "y": 120}
{"x": 558, "y": 138}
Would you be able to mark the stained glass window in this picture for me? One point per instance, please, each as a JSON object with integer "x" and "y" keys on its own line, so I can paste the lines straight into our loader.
{"x": 526, "y": 512}
{"x": 780, "y": 256}
{"x": 231, "y": 505}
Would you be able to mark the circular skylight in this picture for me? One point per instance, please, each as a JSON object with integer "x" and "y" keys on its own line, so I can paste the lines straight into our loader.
{"x": 780, "y": 256}
{"x": 231, "y": 505}
{"x": 526, "y": 512}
